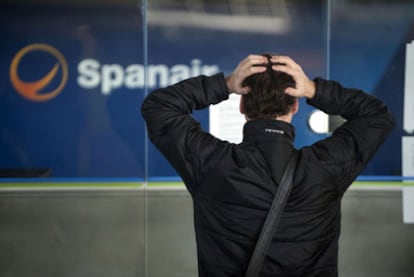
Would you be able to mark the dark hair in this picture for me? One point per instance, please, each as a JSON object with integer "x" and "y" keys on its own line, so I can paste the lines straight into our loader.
{"x": 267, "y": 98}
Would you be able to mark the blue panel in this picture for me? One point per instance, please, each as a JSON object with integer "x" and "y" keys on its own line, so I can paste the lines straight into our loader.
{"x": 92, "y": 127}
{"x": 368, "y": 51}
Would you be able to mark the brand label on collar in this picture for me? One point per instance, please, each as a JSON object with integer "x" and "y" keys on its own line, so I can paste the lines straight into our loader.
{"x": 274, "y": 131}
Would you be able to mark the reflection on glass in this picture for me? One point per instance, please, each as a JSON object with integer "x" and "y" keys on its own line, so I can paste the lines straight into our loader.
{"x": 319, "y": 122}
{"x": 234, "y": 16}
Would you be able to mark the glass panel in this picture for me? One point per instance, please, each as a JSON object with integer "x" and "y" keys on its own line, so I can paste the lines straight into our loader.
{"x": 72, "y": 79}
{"x": 72, "y": 233}
{"x": 368, "y": 44}
{"x": 71, "y": 83}
{"x": 213, "y": 36}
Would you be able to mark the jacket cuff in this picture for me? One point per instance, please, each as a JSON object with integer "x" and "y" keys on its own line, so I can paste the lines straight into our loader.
{"x": 216, "y": 84}
{"x": 318, "y": 99}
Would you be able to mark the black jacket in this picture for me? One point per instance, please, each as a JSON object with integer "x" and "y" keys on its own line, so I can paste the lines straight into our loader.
{"x": 232, "y": 185}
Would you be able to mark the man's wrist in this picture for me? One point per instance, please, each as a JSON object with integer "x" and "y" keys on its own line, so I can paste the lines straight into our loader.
{"x": 310, "y": 89}
{"x": 228, "y": 84}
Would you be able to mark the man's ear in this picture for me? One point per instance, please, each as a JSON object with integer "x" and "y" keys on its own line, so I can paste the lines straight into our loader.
{"x": 295, "y": 107}
{"x": 241, "y": 105}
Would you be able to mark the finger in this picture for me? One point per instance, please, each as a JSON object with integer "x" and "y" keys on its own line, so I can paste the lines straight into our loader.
{"x": 284, "y": 60}
{"x": 291, "y": 91}
{"x": 249, "y": 65}
{"x": 256, "y": 69}
{"x": 251, "y": 70}
{"x": 253, "y": 61}
{"x": 244, "y": 90}
{"x": 286, "y": 69}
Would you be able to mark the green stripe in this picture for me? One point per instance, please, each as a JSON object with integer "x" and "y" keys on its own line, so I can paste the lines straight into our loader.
{"x": 408, "y": 184}
{"x": 377, "y": 183}
{"x": 70, "y": 184}
{"x": 150, "y": 184}
{"x": 165, "y": 184}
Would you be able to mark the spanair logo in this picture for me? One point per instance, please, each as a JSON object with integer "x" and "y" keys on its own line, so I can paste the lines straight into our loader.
{"x": 40, "y": 90}
{"x": 92, "y": 74}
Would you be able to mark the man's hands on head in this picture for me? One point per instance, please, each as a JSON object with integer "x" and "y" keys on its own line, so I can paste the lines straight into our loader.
{"x": 251, "y": 65}
{"x": 246, "y": 68}
{"x": 304, "y": 86}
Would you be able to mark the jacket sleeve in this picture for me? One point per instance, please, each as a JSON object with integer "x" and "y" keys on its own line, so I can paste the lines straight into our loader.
{"x": 352, "y": 145}
{"x": 172, "y": 129}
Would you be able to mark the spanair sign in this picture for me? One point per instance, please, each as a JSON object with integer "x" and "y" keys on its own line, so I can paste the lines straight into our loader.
{"x": 92, "y": 74}
{"x": 109, "y": 77}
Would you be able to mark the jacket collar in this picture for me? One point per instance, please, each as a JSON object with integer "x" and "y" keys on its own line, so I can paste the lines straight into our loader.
{"x": 267, "y": 129}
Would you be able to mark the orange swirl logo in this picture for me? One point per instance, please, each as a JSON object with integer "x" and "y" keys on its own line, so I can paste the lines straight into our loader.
{"x": 33, "y": 90}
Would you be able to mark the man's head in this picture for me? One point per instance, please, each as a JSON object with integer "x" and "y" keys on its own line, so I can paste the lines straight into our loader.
{"x": 267, "y": 98}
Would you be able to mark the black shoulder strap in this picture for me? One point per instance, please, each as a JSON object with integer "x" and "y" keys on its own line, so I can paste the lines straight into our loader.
{"x": 272, "y": 218}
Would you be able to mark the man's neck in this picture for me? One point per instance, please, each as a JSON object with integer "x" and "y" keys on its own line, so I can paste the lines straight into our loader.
{"x": 287, "y": 118}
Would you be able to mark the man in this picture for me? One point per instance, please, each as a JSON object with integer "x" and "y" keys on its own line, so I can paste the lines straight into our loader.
{"x": 233, "y": 185}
